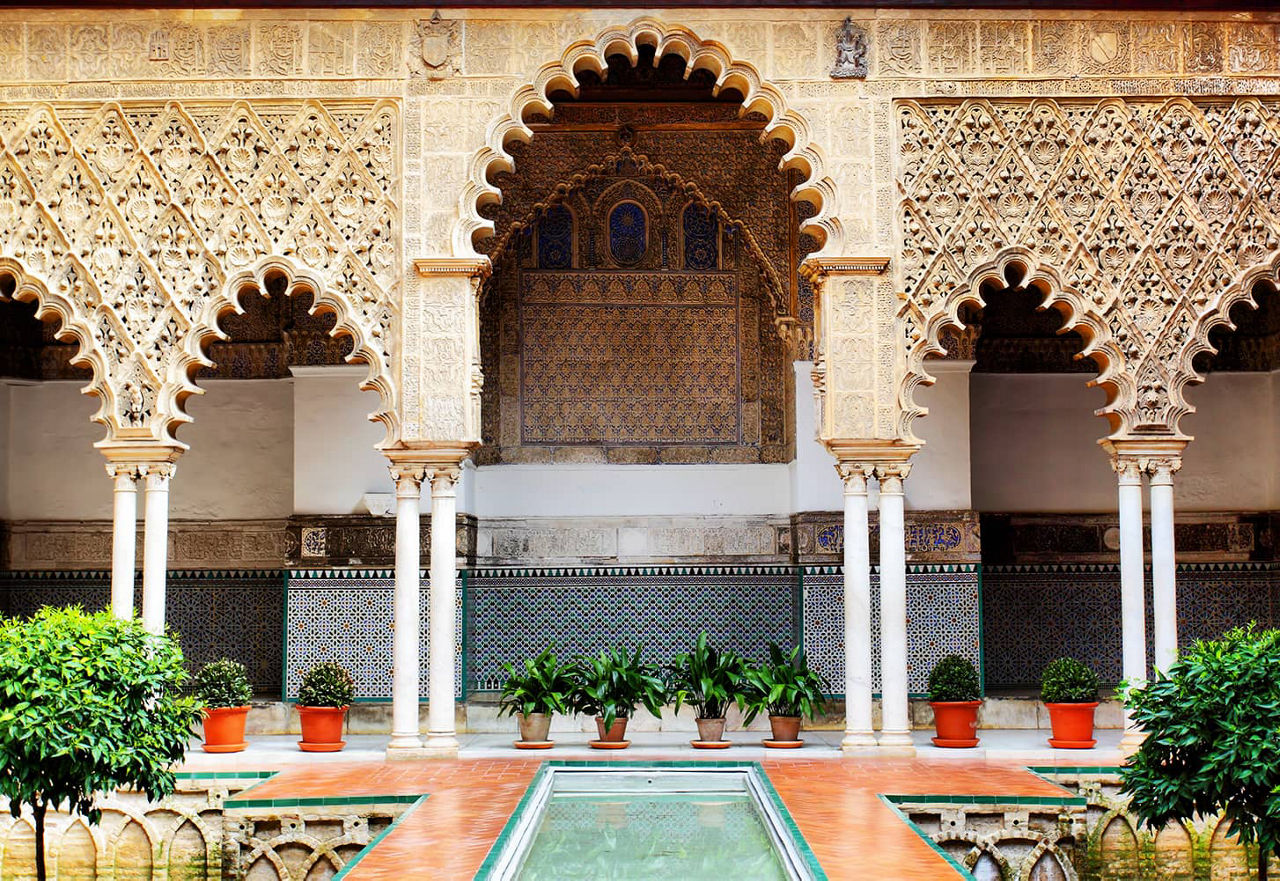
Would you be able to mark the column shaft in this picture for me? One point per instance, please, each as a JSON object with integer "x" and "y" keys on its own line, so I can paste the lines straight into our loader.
{"x": 155, "y": 545}
{"x": 896, "y": 728}
{"x": 1164, "y": 602}
{"x": 1132, "y": 601}
{"x": 858, "y": 732}
{"x": 124, "y": 537}
{"x": 408, "y": 609}
{"x": 441, "y": 729}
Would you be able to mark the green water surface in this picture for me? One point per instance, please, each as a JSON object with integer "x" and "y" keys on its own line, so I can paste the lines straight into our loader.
{"x": 639, "y": 836}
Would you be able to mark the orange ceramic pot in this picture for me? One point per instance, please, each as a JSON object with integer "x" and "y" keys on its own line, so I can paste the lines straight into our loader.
{"x": 224, "y": 729}
{"x": 956, "y": 722}
{"x": 784, "y": 730}
{"x": 1072, "y": 725}
{"x": 617, "y": 732}
{"x": 322, "y": 729}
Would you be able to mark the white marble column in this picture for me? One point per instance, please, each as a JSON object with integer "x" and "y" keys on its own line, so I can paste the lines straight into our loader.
{"x": 441, "y": 728}
{"x": 858, "y": 733}
{"x": 1164, "y": 603}
{"x": 1133, "y": 624}
{"x": 408, "y": 608}
{"x": 124, "y": 537}
{"x": 895, "y": 733}
{"x": 155, "y": 544}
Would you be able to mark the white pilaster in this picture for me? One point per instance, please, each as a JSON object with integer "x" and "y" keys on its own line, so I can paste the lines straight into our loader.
{"x": 858, "y": 733}
{"x": 1164, "y": 603}
{"x": 895, "y": 731}
{"x": 404, "y": 689}
{"x": 124, "y": 537}
{"x": 441, "y": 729}
{"x": 155, "y": 545}
{"x": 1133, "y": 645}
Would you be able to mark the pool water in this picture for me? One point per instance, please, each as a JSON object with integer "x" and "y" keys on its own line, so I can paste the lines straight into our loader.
{"x": 639, "y": 836}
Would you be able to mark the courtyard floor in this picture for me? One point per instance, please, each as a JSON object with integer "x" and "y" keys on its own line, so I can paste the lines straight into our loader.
{"x": 835, "y": 801}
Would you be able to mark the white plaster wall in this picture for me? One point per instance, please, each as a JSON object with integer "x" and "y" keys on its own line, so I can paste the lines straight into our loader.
{"x": 815, "y": 485}
{"x": 240, "y": 465}
{"x": 334, "y": 460}
{"x": 54, "y": 473}
{"x": 1231, "y": 465}
{"x": 4, "y": 450}
{"x": 1034, "y": 444}
{"x": 940, "y": 477}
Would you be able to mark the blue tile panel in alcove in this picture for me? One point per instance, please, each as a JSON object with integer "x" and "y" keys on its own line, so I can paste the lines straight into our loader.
{"x": 1035, "y": 613}
{"x": 944, "y": 613}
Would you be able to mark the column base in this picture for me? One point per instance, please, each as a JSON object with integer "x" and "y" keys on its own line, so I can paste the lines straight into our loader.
{"x": 895, "y": 743}
{"x": 859, "y": 742}
{"x": 404, "y": 741}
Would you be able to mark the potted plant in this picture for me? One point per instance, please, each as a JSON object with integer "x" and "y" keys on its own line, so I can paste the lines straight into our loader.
{"x": 1069, "y": 690}
{"x": 787, "y": 690}
{"x": 544, "y": 686}
{"x": 223, "y": 687}
{"x": 610, "y": 686}
{"x": 707, "y": 679}
{"x": 954, "y": 691}
{"x": 323, "y": 700}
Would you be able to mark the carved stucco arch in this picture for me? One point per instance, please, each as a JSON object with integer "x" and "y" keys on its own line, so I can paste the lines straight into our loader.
{"x": 1020, "y": 266}
{"x": 295, "y": 278}
{"x": 758, "y": 96}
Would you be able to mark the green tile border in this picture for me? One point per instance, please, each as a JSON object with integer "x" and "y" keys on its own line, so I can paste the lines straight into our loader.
{"x": 1056, "y": 801}
{"x": 798, "y": 840}
{"x": 225, "y": 775}
{"x": 1047, "y": 770}
{"x": 319, "y": 801}
{"x": 417, "y": 802}
{"x": 937, "y": 848}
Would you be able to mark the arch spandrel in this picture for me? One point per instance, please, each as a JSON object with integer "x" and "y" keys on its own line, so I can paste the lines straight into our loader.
{"x": 143, "y": 229}
{"x": 1149, "y": 219}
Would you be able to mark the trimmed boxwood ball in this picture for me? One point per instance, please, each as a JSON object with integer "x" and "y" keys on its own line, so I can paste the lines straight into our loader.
{"x": 954, "y": 679}
{"x": 223, "y": 683}
{"x": 1068, "y": 681}
{"x": 327, "y": 684}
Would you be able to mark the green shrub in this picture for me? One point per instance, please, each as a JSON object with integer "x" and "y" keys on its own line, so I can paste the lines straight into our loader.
{"x": 611, "y": 685}
{"x": 954, "y": 678}
{"x": 1068, "y": 681}
{"x": 327, "y": 684}
{"x": 545, "y": 685}
{"x": 223, "y": 683}
{"x": 706, "y": 678}
{"x": 783, "y": 686}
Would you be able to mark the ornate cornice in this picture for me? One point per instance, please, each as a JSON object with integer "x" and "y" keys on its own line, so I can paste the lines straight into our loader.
{"x": 472, "y": 267}
{"x": 814, "y": 269}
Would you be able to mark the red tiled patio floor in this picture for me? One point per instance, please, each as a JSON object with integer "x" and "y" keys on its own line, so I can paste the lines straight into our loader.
{"x": 833, "y": 801}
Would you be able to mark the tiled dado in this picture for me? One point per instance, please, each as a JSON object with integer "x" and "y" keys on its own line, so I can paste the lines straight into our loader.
{"x": 364, "y": 540}
{"x": 215, "y": 613}
{"x": 193, "y": 544}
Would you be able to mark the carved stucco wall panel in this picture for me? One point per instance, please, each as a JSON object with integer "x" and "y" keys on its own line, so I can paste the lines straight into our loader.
{"x": 1142, "y": 221}
{"x": 140, "y": 225}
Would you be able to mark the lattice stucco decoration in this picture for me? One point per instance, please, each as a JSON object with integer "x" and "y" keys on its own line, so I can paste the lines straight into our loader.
{"x": 138, "y": 224}
{"x": 1143, "y": 221}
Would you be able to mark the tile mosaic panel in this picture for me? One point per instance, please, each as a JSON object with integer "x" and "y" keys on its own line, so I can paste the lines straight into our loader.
{"x": 236, "y": 613}
{"x": 943, "y": 618}
{"x": 346, "y": 616}
{"x": 1033, "y": 614}
{"x": 515, "y": 615}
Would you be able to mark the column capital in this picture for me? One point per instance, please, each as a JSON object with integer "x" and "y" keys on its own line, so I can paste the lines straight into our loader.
{"x": 1144, "y": 455}
{"x": 125, "y": 474}
{"x": 157, "y": 474}
{"x": 444, "y": 479}
{"x": 408, "y": 478}
{"x": 1161, "y": 469}
{"x": 855, "y": 476}
{"x": 1128, "y": 469}
{"x": 891, "y": 476}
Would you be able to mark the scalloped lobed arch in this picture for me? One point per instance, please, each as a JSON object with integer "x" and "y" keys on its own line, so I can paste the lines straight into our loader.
{"x": 291, "y": 279}
{"x": 1020, "y": 266}
{"x": 758, "y": 96}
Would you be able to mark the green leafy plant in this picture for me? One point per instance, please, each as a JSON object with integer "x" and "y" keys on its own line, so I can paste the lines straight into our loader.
{"x": 223, "y": 683}
{"x": 88, "y": 704}
{"x": 544, "y": 685}
{"x": 327, "y": 684}
{"x": 954, "y": 678}
{"x": 612, "y": 684}
{"x": 705, "y": 678}
{"x": 1211, "y": 724}
{"x": 1068, "y": 681}
{"x": 783, "y": 686}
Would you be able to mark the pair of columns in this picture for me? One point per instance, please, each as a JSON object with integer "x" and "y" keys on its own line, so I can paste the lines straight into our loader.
{"x": 441, "y": 737}
{"x": 155, "y": 477}
{"x": 895, "y": 731}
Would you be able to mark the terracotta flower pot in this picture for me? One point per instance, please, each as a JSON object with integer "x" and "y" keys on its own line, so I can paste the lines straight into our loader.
{"x": 786, "y": 730}
{"x": 710, "y": 730}
{"x": 535, "y": 727}
{"x": 1072, "y": 725}
{"x": 617, "y": 732}
{"x": 322, "y": 729}
{"x": 224, "y": 729}
{"x": 956, "y": 722}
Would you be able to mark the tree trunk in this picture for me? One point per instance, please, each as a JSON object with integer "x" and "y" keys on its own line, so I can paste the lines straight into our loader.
{"x": 37, "y": 810}
{"x": 1263, "y": 858}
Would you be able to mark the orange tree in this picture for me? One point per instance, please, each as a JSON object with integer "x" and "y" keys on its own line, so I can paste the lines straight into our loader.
{"x": 88, "y": 704}
{"x": 1212, "y": 724}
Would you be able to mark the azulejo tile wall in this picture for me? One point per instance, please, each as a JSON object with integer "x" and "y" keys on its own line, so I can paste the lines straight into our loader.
{"x": 944, "y": 614}
{"x": 1035, "y": 613}
{"x": 346, "y": 615}
{"x": 231, "y": 612}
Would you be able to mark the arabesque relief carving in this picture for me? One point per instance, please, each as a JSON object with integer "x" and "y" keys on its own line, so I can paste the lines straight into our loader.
{"x": 140, "y": 224}
{"x": 1142, "y": 221}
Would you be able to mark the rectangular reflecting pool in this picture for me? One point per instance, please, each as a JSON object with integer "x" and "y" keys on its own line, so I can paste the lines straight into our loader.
{"x": 650, "y": 821}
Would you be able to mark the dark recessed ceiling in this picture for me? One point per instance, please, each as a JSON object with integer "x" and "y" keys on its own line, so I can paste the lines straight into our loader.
{"x": 1161, "y": 5}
